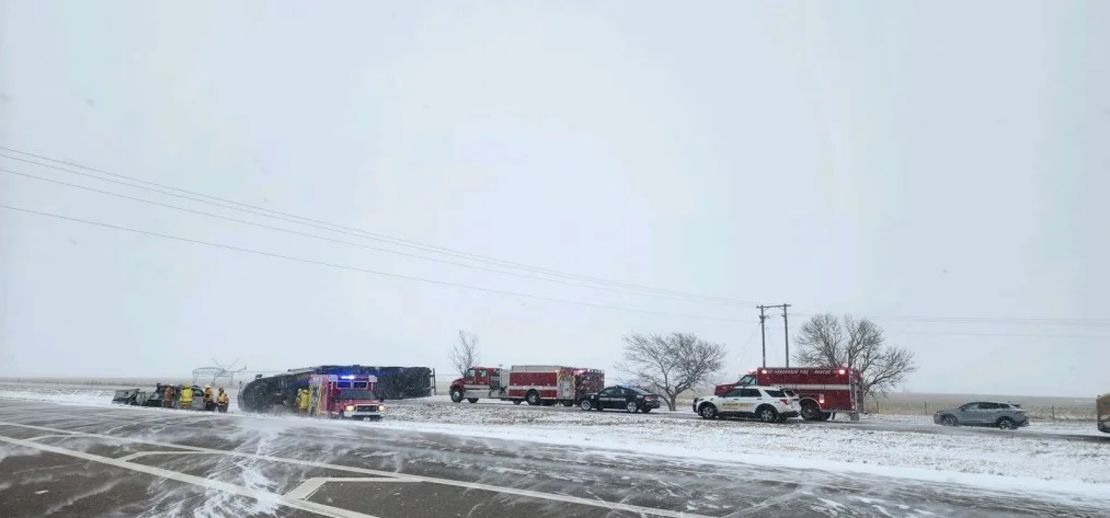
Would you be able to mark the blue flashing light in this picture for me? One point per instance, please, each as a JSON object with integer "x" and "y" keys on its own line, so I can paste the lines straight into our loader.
{"x": 348, "y": 376}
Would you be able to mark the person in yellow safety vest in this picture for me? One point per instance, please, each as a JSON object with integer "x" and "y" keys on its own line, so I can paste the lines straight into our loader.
{"x": 222, "y": 401}
{"x": 186, "y": 399}
{"x": 209, "y": 400}
{"x": 302, "y": 401}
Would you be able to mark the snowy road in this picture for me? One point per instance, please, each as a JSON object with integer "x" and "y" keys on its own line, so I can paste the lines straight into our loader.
{"x": 78, "y": 460}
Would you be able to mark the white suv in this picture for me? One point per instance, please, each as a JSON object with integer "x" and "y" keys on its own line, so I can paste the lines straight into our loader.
{"x": 769, "y": 404}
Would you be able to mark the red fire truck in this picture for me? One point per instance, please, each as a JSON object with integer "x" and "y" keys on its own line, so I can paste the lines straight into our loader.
{"x": 536, "y": 384}
{"x": 821, "y": 392}
{"x": 349, "y": 396}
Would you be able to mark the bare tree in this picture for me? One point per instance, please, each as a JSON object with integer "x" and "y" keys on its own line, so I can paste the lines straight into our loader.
{"x": 825, "y": 341}
{"x": 671, "y": 364}
{"x": 464, "y": 353}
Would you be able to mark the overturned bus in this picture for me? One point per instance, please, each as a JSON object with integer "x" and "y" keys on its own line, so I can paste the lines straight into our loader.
{"x": 279, "y": 392}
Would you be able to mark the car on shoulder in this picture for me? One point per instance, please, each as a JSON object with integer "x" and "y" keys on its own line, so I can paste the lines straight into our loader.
{"x": 620, "y": 397}
{"x": 1005, "y": 416}
{"x": 768, "y": 404}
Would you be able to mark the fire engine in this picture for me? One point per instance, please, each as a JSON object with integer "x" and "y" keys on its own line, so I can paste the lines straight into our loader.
{"x": 536, "y": 384}
{"x": 821, "y": 392}
{"x": 347, "y": 396}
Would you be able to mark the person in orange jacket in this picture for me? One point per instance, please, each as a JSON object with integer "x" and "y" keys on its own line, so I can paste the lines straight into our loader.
{"x": 167, "y": 397}
{"x": 209, "y": 399}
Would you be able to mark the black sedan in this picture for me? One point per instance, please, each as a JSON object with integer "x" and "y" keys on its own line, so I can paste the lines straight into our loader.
{"x": 629, "y": 399}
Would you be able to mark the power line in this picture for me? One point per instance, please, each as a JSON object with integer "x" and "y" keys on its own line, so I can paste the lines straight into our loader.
{"x": 359, "y": 269}
{"x": 332, "y": 240}
{"x": 984, "y": 320}
{"x": 334, "y": 227}
{"x": 971, "y": 333}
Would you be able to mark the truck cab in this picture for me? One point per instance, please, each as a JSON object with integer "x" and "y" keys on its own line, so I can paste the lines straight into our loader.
{"x": 478, "y": 383}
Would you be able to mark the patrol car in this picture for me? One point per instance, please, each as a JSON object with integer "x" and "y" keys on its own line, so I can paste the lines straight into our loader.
{"x": 769, "y": 404}
{"x": 629, "y": 399}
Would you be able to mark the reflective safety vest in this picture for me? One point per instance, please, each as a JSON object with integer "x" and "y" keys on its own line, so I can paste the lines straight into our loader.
{"x": 187, "y": 395}
{"x": 302, "y": 400}
{"x": 222, "y": 399}
{"x": 208, "y": 394}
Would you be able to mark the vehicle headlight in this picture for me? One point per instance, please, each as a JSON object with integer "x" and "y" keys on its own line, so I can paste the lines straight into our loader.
{"x": 350, "y": 408}
{"x": 381, "y": 408}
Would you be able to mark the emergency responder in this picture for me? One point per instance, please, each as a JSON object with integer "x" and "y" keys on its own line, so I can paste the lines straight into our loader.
{"x": 302, "y": 401}
{"x": 209, "y": 399}
{"x": 186, "y": 399}
{"x": 222, "y": 401}
{"x": 167, "y": 397}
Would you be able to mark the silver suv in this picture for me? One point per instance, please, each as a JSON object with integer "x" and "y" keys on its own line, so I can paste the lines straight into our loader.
{"x": 1006, "y": 416}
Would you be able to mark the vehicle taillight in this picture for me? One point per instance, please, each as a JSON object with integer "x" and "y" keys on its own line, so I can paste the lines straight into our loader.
{"x": 821, "y": 399}
{"x": 843, "y": 372}
{"x": 764, "y": 371}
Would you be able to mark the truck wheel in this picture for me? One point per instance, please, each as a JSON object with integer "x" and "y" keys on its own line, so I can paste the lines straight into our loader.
{"x": 810, "y": 411}
{"x": 632, "y": 407}
{"x": 533, "y": 398}
{"x": 767, "y": 414}
{"x": 472, "y": 400}
{"x": 708, "y": 411}
{"x": 456, "y": 395}
{"x": 1005, "y": 424}
{"x": 585, "y": 405}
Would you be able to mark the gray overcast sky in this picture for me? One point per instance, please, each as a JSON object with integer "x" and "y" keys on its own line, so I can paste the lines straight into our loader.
{"x": 876, "y": 158}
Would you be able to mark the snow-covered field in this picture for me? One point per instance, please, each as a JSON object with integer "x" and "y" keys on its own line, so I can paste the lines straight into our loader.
{"x": 1001, "y": 460}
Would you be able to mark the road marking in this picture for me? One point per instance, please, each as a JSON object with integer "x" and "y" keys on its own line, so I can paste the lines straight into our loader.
{"x": 310, "y": 486}
{"x": 262, "y": 496}
{"x": 617, "y": 506}
{"x": 38, "y": 437}
{"x": 133, "y": 456}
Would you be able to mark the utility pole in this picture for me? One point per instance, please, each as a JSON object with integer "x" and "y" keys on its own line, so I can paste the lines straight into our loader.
{"x": 763, "y": 332}
{"x": 786, "y": 332}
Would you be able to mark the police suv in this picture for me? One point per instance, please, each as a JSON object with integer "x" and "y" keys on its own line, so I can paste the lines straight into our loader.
{"x": 769, "y": 404}
{"x": 629, "y": 399}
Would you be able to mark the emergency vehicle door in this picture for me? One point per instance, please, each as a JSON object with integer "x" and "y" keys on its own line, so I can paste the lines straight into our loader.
{"x": 730, "y": 402}
{"x": 749, "y": 398}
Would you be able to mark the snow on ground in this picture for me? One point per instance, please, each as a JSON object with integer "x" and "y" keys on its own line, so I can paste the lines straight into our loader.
{"x": 792, "y": 444}
{"x": 1003, "y": 460}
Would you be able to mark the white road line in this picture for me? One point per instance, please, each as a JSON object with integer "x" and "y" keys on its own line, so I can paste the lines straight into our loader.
{"x": 262, "y": 496}
{"x": 138, "y": 454}
{"x": 37, "y": 437}
{"x": 617, "y": 506}
{"x": 310, "y": 486}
